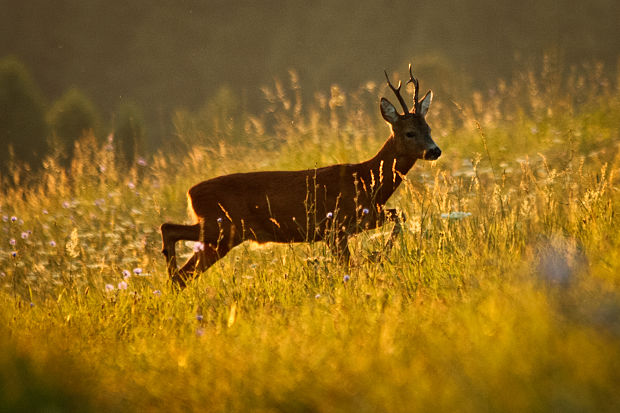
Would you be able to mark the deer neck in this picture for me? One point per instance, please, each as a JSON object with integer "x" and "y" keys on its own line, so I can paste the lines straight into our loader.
{"x": 385, "y": 170}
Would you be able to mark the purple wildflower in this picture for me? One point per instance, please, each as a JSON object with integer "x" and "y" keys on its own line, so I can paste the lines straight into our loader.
{"x": 198, "y": 246}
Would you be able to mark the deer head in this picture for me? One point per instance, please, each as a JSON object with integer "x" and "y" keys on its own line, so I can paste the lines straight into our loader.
{"x": 412, "y": 135}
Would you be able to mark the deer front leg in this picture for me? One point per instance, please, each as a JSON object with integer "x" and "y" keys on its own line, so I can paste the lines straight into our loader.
{"x": 393, "y": 215}
{"x": 389, "y": 215}
{"x": 339, "y": 245}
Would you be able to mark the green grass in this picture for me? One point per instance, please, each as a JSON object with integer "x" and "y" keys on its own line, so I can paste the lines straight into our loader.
{"x": 515, "y": 307}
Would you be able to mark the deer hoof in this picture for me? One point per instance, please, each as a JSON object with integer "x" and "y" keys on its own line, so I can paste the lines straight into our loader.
{"x": 178, "y": 282}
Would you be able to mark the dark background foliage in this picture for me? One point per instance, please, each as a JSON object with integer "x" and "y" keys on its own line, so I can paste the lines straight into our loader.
{"x": 165, "y": 55}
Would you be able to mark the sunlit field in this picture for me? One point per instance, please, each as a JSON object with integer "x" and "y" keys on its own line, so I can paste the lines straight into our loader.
{"x": 502, "y": 293}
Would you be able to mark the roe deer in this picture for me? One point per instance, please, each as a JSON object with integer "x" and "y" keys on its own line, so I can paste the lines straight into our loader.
{"x": 329, "y": 203}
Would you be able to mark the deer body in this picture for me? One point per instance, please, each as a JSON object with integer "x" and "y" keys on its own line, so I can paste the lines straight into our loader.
{"x": 329, "y": 203}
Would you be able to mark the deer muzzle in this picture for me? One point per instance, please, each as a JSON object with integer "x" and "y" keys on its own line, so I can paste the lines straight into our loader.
{"x": 432, "y": 154}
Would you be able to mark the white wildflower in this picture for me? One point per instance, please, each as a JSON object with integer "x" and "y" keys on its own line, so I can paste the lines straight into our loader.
{"x": 456, "y": 215}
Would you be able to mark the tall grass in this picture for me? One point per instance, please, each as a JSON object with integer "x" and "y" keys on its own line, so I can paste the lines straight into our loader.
{"x": 502, "y": 294}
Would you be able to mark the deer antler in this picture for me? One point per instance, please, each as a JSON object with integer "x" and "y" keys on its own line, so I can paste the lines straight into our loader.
{"x": 416, "y": 87}
{"x": 396, "y": 91}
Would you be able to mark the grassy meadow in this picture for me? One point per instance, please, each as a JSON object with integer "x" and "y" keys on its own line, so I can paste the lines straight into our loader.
{"x": 502, "y": 294}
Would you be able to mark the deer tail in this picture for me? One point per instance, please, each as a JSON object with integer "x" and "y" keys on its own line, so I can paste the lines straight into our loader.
{"x": 190, "y": 209}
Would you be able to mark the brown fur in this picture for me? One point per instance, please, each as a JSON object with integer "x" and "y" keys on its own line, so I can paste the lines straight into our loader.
{"x": 329, "y": 203}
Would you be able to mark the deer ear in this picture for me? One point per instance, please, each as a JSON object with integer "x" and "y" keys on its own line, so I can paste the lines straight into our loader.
{"x": 425, "y": 103}
{"x": 388, "y": 111}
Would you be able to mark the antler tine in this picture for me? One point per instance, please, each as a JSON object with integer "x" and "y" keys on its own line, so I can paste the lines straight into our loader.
{"x": 416, "y": 87}
{"x": 396, "y": 91}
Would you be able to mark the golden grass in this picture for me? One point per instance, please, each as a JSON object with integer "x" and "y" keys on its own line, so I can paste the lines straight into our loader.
{"x": 503, "y": 293}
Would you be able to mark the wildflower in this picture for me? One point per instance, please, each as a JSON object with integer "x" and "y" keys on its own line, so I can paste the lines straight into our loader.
{"x": 13, "y": 254}
{"x": 31, "y": 305}
{"x": 126, "y": 274}
{"x": 65, "y": 204}
{"x": 2, "y": 274}
{"x": 13, "y": 218}
{"x": 45, "y": 212}
{"x": 199, "y": 317}
{"x": 329, "y": 215}
{"x": 456, "y": 215}
{"x": 109, "y": 287}
{"x": 157, "y": 292}
{"x": 5, "y": 218}
{"x": 122, "y": 285}
{"x": 219, "y": 220}
{"x": 198, "y": 246}
{"x": 200, "y": 332}
{"x": 52, "y": 243}
{"x": 137, "y": 271}
{"x": 365, "y": 211}
{"x": 131, "y": 185}
{"x": 317, "y": 296}
{"x": 25, "y": 235}
{"x": 141, "y": 161}
{"x": 12, "y": 241}
{"x": 346, "y": 278}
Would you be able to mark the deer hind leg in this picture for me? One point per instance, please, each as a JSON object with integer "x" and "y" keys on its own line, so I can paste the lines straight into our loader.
{"x": 198, "y": 263}
{"x": 213, "y": 248}
{"x": 170, "y": 234}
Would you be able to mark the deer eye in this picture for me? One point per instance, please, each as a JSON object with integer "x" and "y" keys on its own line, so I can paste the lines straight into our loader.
{"x": 410, "y": 134}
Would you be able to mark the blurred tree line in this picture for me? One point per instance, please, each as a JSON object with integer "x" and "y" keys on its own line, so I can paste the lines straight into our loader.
{"x": 30, "y": 128}
{"x": 164, "y": 55}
